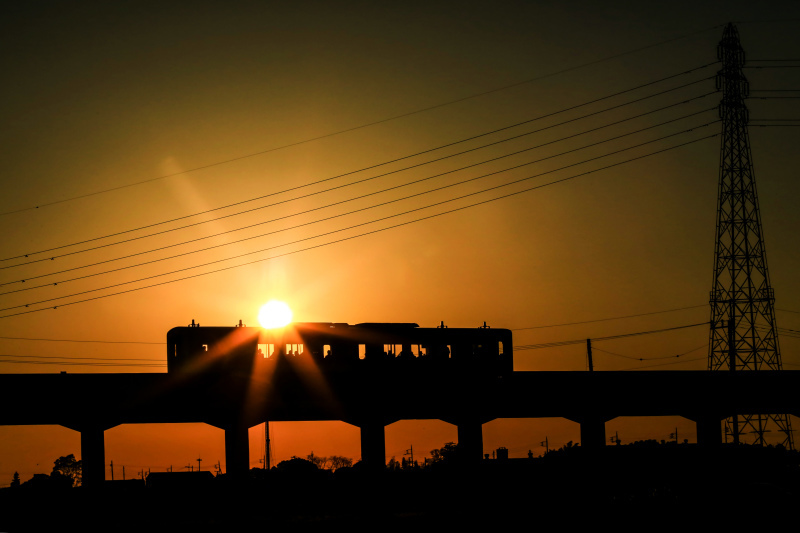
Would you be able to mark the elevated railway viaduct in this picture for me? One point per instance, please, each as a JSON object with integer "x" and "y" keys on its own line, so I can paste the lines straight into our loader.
{"x": 93, "y": 403}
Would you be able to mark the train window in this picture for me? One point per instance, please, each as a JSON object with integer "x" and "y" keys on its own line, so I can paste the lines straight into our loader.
{"x": 175, "y": 353}
{"x": 422, "y": 351}
{"x": 362, "y": 351}
{"x": 500, "y": 347}
{"x": 326, "y": 349}
{"x": 294, "y": 349}
{"x": 205, "y": 347}
{"x": 264, "y": 350}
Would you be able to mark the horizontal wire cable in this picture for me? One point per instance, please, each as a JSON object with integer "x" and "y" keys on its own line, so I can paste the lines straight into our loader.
{"x": 380, "y": 219}
{"x": 547, "y": 115}
{"x": 666, "y": 364}
{"x": 362, "y": 126}
{"x": 611, "y": 318}
{"x": 605, "y": 338}
{"x": 70, "y": 358}
{"x": 348, "y": 185}
{"x": 325, "y": 219}
{"x": 77, "y": 340}
{"x": 704, "y": 345}
{"x": 513, "y": 329}
{"x": 313, "y": 247}
{"x": 14, "y": 361}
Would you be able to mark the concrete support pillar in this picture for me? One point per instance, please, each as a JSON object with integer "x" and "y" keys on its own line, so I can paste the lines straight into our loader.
{"x": 237, "y": 452}
{"x": 593, "y": 433}
{"x": 373, "y": 445}
{"x": 470, "y": 441}
{"x": 93, "y": 457}
{"x": 709, "y": 432}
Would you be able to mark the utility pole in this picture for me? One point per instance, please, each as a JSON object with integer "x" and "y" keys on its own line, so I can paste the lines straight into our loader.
{"x": 546, "y": 446}
{"x": 112, "y": 470}
{"x": 267, "y": 450}
{"x": 123, "y": 472}
{"x": 198, "y": 464}
{"x": 589, "y": 354}
{"x": 743, "y": 333}
{"x": 410, "y": 452}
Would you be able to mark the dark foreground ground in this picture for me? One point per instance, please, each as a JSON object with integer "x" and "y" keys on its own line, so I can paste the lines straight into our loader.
{"x": 627, "y": 487}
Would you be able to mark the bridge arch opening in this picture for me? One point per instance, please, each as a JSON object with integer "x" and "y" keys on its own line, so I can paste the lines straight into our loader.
{"x": 33, "y": 449}
{"x": 325, "y": 438}
{"x": 418, "y": 436}
{"x": 661, "y": 429}
{"x": 142, "y": 448}
{"x": 521, "y": 436}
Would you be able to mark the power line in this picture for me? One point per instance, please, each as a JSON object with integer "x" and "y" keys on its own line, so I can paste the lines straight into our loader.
{"x": 513, "y": 329}
{"x": 362, "y": 126}
{"x": 377, "y": 230}
{"x": 77, "y": 340}
{"x": 704, "y": 345}
{"x": 13, "y": 361}
{"x": 355, "y": 183}
{"x": 540, "y": 117}
{"x": 70, "y": 358}
{"x": 667, "y": 364}
{"x": 611, "y": 318}
{"x": 606, "y": 338}
{"x": 325, "y": 219}
{"x": 397, "y": 214}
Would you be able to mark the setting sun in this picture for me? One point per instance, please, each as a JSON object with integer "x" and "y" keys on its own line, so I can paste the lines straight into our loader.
{"x": 274, "y": 314}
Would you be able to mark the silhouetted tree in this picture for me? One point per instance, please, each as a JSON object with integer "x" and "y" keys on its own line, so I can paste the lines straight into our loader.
{"x": 446, "y": 453}
{"x": 319, "y": 462}
{"x": 15, "y": 480}
{"x": 296, "y": 465}
{"x": 332, "y": 463}
{"x": 336, "y": 462}
{"x": 67, "y": 468}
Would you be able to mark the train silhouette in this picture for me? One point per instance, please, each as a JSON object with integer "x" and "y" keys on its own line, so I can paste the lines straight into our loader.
{"x": 338, "y": 346}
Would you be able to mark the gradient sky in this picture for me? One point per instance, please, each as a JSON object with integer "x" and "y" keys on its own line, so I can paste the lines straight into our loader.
{"x": 98, "y": 97}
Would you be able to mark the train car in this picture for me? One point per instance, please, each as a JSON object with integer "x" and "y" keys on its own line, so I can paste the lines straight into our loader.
{"x": 338, "y": 346}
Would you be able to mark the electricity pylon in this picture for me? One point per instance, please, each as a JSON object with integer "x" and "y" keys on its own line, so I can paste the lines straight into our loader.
{"x": 743, "y": 330}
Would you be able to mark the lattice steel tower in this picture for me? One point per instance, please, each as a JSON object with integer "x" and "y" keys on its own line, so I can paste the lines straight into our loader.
{"x": 743, "y": 331}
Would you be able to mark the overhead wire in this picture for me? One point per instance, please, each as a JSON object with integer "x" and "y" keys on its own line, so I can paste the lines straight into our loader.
{"x": 385, "y": 218}
{"x": 317, "y": 182}
{"x": 363, "y": 181}
{"x": 667, "y": 364}
{"x": 704, "y": 345}
{"x": 77, "y": 340}
{"x": 604, "y": 338}
{"x": 611, "y": 318}
{"x": 47, "y": 339}
{"x": 362, "y": 126}
{"x": 331, "y": 217}
{"x": 561, "y": 180}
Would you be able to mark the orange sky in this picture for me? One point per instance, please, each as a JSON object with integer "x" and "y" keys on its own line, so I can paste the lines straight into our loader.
{"x": 99, "y": 97}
